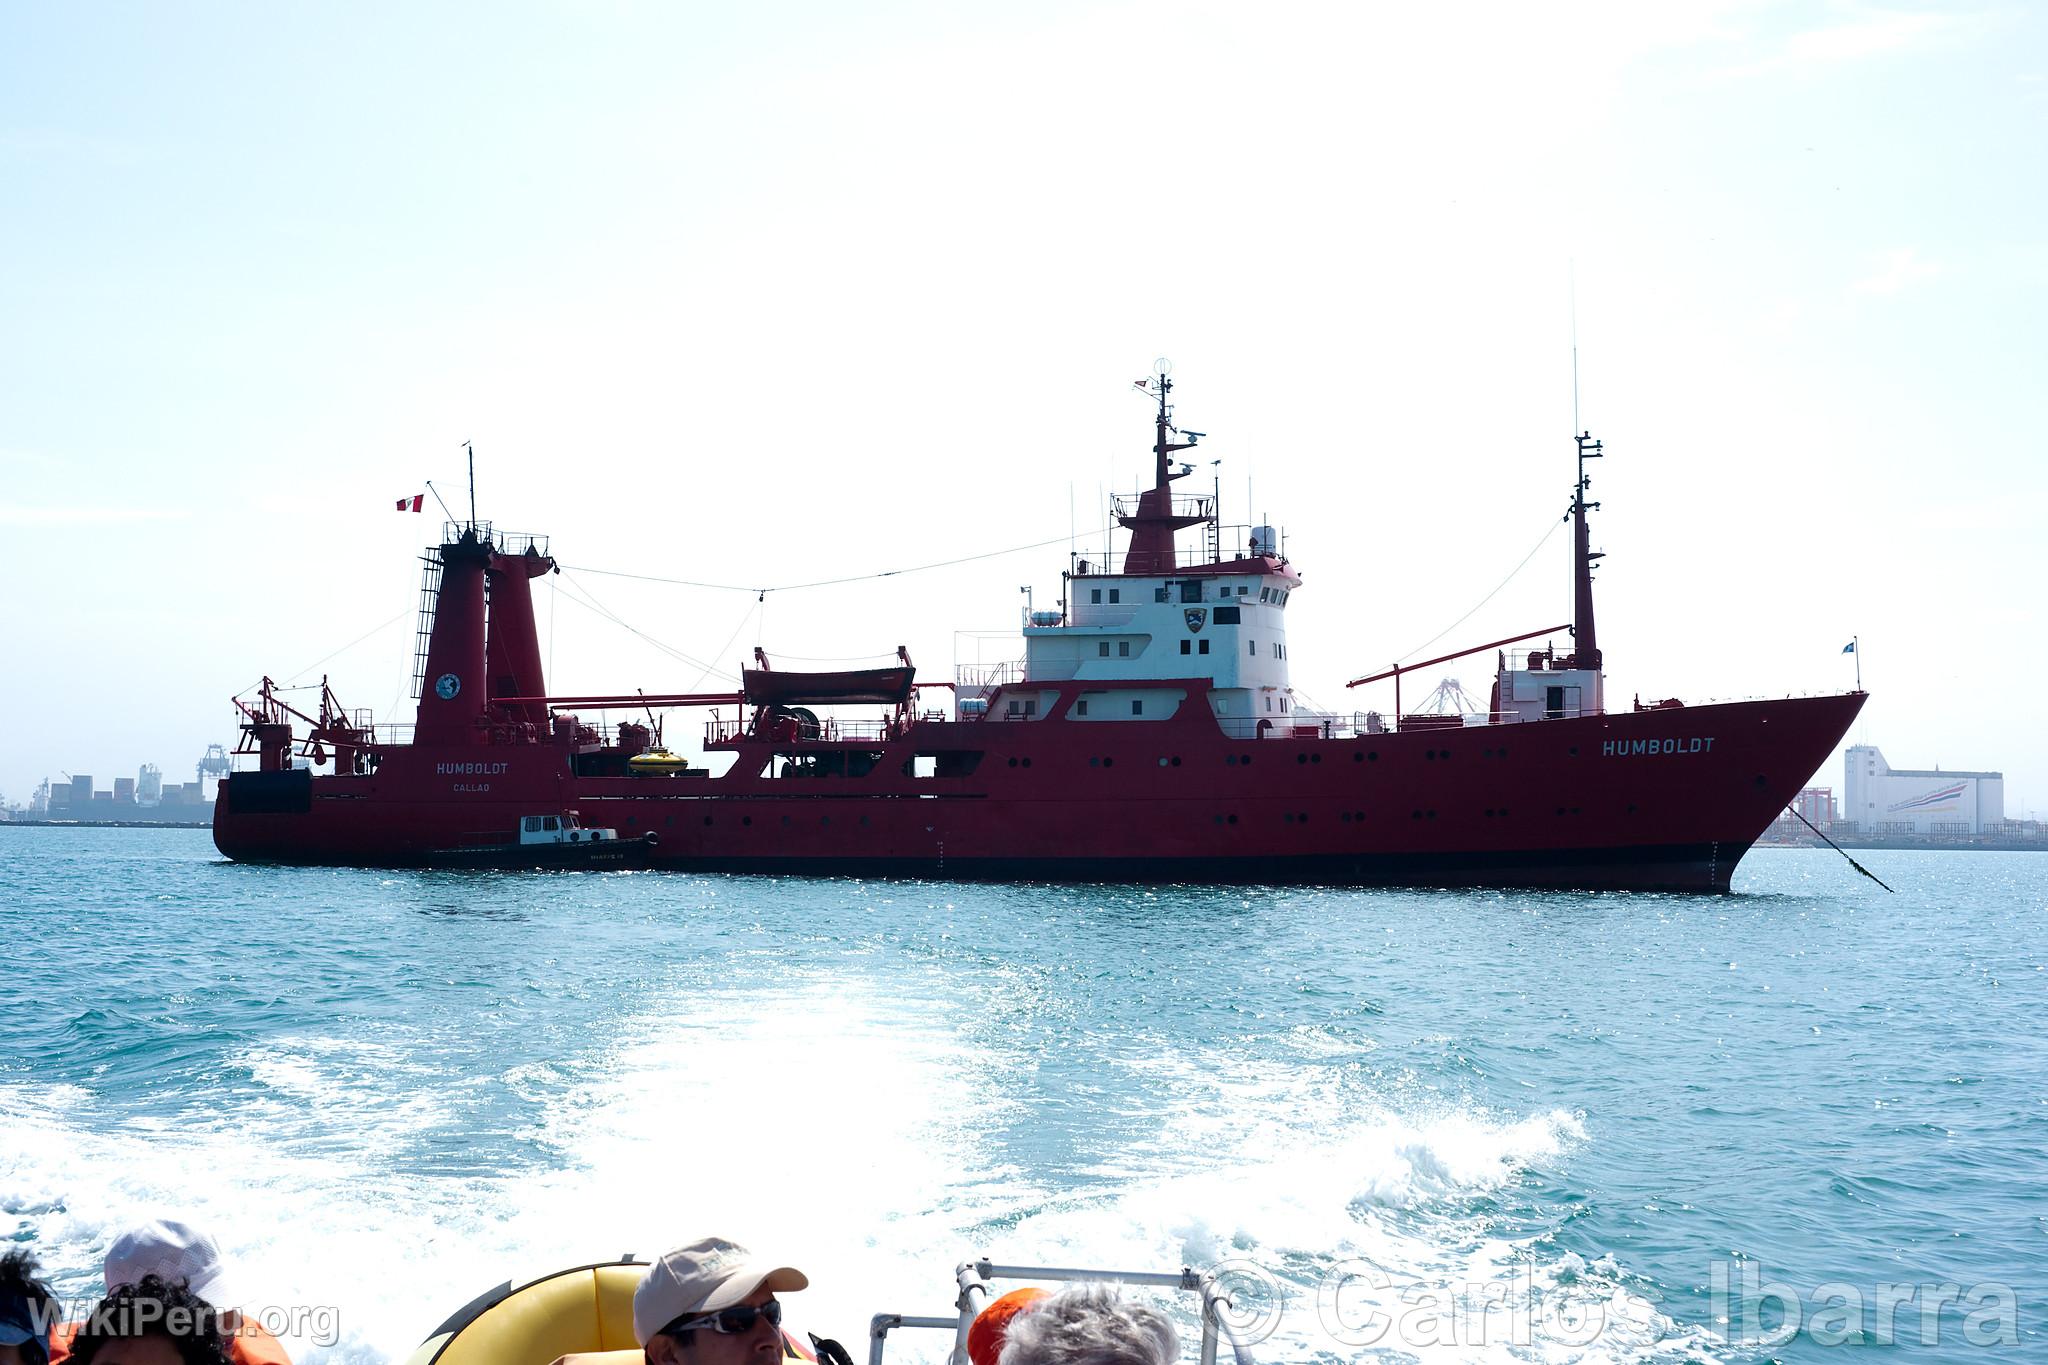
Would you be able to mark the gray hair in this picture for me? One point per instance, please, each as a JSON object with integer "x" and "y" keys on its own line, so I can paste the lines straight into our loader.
{"x": 1090, "y": 1324}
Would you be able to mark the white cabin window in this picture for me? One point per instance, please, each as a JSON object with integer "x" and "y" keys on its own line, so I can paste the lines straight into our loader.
{"x": 1123, "y": 649}
{"x": 1204, "y": 646}
{"x": 1224, "y": 591}
{"x": 1251, "y": 647}
{"x": 1269, "y": 703}
{"x": 1159, "y": 594}
{"x": 1187, "y": 646}
{"x": 1081, "y": 707}
{"x": 1102, "y": 649}
{"x": 1137, "y": 706}
{"x": 1115, "y": 595}
{"x": 1095, "y": 596}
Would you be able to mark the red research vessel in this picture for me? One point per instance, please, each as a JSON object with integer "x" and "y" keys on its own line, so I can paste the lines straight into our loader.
{"x": 1149, "y": 732}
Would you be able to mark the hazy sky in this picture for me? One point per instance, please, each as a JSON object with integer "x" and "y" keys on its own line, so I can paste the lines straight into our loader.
{"x": 767, "y": 294}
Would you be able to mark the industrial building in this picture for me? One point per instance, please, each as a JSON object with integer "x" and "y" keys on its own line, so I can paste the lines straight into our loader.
{"x": 1880, "y": 800}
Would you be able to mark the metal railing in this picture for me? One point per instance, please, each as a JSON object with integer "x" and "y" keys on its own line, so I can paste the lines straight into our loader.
{"x": 969, "y": 678}
{"x": 973, "y": 1279}
{"x": 504, "y": 542}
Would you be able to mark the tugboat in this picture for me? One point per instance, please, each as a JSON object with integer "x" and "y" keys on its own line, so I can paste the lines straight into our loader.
{"x": 553, "y": 841}
{"x": 1149, "y": 732}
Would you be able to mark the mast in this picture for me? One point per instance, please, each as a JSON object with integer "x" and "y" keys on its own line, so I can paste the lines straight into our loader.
{"x": 1586, "y": 643}
{"x": 1153, "y": 522}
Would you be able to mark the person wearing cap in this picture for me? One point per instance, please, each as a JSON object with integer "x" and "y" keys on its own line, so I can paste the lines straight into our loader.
{"x": 178, "y": 1253}
{"x": 28, "y": 1312}
{"x": 713, "y": 1303}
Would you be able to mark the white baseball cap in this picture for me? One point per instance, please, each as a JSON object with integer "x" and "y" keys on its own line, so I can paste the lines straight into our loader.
{"x": 172, "y": 1250}
{"x": 703, "y": 1277}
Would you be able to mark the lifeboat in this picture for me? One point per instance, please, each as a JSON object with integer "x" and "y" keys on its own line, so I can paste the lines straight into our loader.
{"x": 586, "y": 1310}
{"x": 657, "y": 763}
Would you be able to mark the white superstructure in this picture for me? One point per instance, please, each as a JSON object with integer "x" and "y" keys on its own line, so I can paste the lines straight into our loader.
{"x": 1225, "y": 625}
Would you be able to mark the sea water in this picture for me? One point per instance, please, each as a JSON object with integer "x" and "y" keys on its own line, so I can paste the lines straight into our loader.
{"x": 1405, "y": 1125}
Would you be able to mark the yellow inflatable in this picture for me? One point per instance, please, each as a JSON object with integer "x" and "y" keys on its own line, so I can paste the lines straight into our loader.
{"x": 579, "y": 1311}
{"x": 656, "y": 762}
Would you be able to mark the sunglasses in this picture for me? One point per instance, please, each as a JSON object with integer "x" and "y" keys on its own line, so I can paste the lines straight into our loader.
{"x": 729, "y": 1321}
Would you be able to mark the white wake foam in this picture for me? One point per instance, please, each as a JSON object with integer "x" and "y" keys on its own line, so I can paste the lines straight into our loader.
{"x": 852, "y": 1130}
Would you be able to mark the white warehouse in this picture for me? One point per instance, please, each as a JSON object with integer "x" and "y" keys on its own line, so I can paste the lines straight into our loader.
{"x": 1881, "y": 799}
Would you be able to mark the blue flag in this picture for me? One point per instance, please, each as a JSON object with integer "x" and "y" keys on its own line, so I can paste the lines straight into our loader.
{"x": 1849, "y": 648}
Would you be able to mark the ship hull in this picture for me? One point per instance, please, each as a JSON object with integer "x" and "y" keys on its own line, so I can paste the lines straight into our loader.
{"x": 1664, "y": 800}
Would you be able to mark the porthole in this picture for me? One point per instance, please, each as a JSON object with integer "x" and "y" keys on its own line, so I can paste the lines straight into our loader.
{"x": 1094, "y": 761}
{"x": 1301, "y": 819}
{"x": 1429, "y": 754}
{"x": 785, "y": 822}
{"x": 1108, "y": 762}
{"x": 1315, "y": 758}
{"x": 1431, "y": 815}
{"x": 1358, "y": 815}
{"x": 1230, "y": 819}
{"x": 1013, "y": 762}
{"x": 1287, "y": 818}
{"x": 1176, "y": 760}
{"x": 1245, "y": 759}
{"x": 1372, "y": 756}
{"x": 1301, "y": 758}
{"x": 1357, "y": 757}
{"x": 1027, "y": 762}
{"x": 746, "y": 819}
{"x": 1230, "y": 760}
{"x": 707, "y": 819}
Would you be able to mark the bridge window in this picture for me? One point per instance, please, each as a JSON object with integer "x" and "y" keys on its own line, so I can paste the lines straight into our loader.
{"x": 1191, "y": 591}
{"x": 1229, "y": 616}
{"x": 1265, "y": 594}
{"x": 1159, "y": 594}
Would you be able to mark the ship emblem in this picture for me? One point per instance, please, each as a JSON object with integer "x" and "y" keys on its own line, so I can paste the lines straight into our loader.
{"x": 446, "y": 686}
{"x": 1196, "y": 616}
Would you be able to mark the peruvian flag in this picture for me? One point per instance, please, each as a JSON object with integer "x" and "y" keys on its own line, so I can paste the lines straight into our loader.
{"x": 411, "y": 504}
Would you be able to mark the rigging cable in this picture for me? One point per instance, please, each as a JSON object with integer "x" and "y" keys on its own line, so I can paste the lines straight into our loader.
{"x": 1488, "y": 598}
{"x": 819, "y": 583}
{"x": 583, "y": 597}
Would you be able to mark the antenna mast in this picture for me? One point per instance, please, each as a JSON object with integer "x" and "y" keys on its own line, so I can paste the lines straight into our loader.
{"x": 472, "y": 484}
